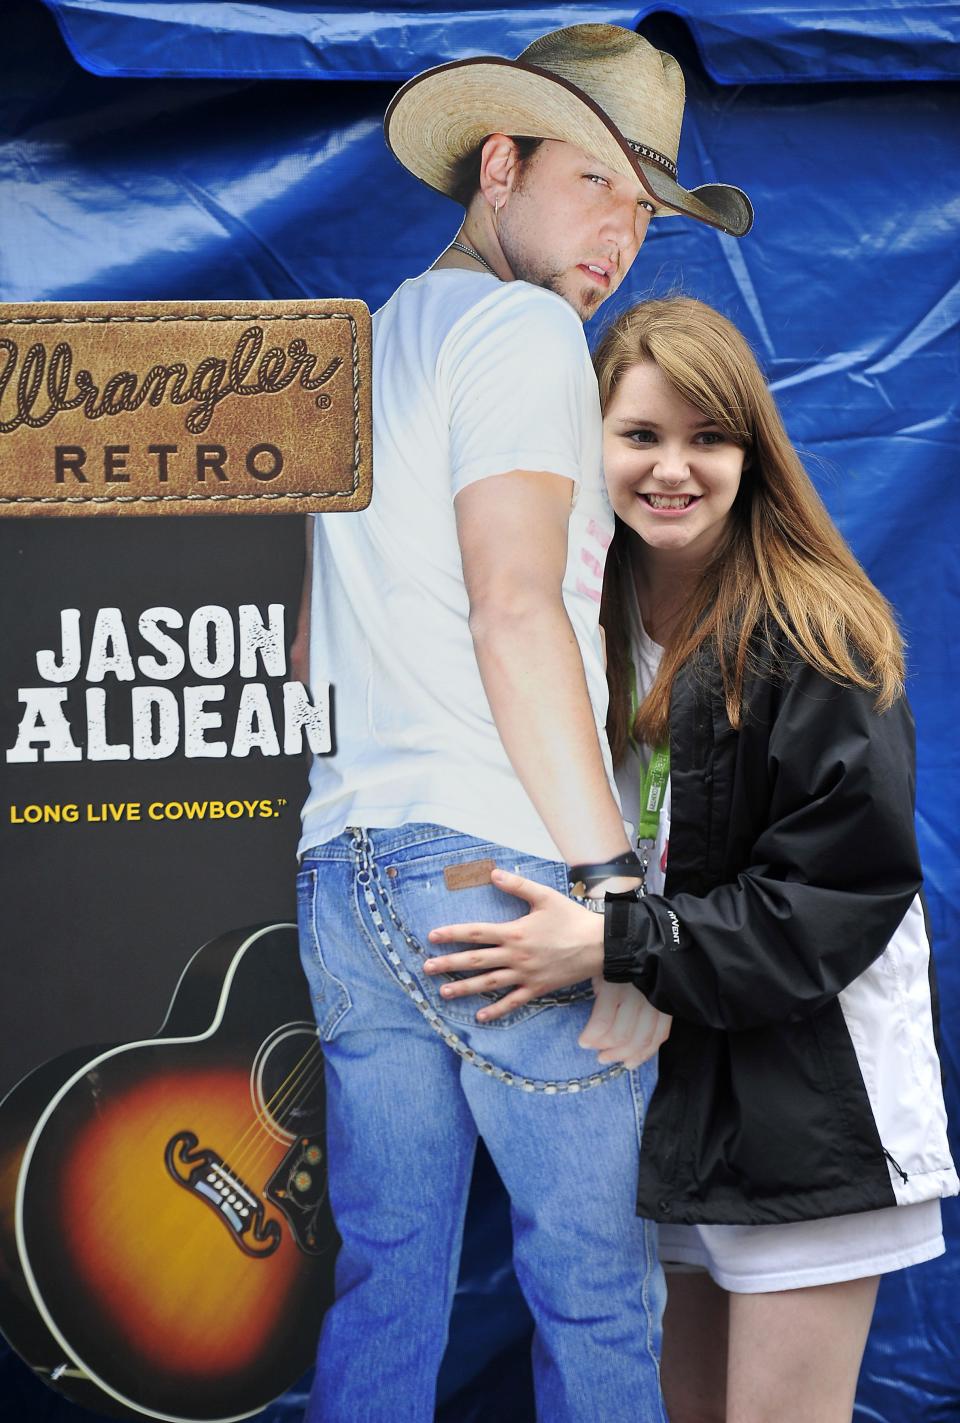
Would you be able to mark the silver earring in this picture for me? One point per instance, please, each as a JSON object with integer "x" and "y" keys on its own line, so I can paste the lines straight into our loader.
{"x": 496, "y": 208}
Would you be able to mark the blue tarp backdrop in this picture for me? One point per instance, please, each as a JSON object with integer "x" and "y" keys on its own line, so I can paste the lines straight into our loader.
{"x": 151, "y": 149}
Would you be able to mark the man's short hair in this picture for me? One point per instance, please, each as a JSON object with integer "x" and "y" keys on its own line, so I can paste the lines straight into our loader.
{"x": 466, "y": 182}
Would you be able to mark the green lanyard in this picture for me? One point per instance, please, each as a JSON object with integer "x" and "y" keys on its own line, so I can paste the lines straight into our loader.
{"x": 653, "y": 783}
{"x": 653, "y": 792}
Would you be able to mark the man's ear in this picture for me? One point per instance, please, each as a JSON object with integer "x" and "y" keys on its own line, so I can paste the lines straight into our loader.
{"x": 499, "y": 166}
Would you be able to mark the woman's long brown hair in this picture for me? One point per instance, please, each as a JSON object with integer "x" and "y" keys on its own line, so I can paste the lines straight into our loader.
{"x": 782, "y": 563}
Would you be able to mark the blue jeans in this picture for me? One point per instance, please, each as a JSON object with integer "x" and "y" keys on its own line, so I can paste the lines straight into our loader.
{"x": 411, "y": 1081}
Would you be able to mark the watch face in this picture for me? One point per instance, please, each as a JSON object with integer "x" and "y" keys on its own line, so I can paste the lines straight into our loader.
{"x": 594, "y": 904}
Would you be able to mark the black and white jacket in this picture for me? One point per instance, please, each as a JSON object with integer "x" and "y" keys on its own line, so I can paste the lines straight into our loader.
{"x": 801, "y": 1076}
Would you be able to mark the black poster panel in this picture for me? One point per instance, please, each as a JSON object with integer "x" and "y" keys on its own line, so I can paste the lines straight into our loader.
{"x": 114, "y": 870}
{"x": 174, "y": 1185}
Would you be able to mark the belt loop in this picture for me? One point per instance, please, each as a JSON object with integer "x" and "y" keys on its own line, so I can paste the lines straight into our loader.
{"x": 363, "y": 849}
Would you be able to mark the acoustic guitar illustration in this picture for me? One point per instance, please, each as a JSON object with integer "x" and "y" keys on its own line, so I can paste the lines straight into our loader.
{"x": 164, "y": 1227}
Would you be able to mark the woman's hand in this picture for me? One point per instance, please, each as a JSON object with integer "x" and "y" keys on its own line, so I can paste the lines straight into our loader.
{"x": 558, "y": 943}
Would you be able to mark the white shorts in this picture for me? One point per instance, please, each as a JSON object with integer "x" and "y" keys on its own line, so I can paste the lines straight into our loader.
{"x": 755, "y": 1259}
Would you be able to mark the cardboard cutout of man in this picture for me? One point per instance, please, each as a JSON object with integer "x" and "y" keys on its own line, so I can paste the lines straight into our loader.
{"x": 458, "y": 621}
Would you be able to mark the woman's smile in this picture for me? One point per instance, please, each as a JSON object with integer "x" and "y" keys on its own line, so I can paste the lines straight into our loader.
{"x": 671, "y": 503}
{"x": 672, "y": 472}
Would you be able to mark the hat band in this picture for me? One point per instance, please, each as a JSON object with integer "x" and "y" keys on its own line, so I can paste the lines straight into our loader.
{"x": 652, "y": 156}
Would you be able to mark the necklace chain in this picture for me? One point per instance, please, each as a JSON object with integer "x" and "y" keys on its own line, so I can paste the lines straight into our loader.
{"x": 458, "y": 246}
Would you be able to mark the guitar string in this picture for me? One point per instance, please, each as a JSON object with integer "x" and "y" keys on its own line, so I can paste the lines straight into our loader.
{"x": 259, "y": 1149}
{"x": 261, "y": 1156}
{"x": 271, "y": 1106}
{"x": 263, "y": 1165}
{"x": 309, "y": 1070}
{"x": 237, "y": 1156}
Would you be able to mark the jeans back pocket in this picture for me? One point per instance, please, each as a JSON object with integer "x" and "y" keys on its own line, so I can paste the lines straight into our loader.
{"x": 416, "y": 898}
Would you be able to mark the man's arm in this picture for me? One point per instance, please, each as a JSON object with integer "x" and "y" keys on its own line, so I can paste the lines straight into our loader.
{"x": 513, "y": 541}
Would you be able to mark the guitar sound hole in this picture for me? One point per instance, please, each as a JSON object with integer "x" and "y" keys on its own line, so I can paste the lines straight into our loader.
{"x": 287, "y": 1082}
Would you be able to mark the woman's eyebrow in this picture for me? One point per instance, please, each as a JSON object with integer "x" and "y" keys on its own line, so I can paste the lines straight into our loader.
{"x": 703, "y": 424}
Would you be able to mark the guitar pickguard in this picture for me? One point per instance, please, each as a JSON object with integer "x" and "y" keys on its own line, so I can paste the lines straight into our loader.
{"x": 209, "y": 1177}
{"x": 298, "y": 1187}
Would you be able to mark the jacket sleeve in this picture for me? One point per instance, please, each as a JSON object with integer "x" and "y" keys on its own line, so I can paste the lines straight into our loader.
{"x": 828, "y": 880}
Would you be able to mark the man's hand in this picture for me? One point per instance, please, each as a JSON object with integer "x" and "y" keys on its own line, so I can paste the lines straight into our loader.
{"x": 624, "y": 1026}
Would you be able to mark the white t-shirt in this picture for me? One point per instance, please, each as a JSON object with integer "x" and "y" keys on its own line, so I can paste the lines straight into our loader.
{"x": 471, "y": 377}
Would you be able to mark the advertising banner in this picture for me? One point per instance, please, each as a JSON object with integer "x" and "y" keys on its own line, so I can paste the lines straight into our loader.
{"x": 165, "y": 1236}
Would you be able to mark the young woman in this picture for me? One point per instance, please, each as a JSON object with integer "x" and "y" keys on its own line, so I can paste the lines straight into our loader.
{"x": 795, "y": 1148}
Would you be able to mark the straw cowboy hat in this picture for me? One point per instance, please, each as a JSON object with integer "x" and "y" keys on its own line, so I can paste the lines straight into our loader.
{"x": 600, "y": 87}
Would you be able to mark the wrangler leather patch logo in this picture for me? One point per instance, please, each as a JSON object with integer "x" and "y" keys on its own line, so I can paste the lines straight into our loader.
{"x": 185, "y": 408}
{"x": 470, "y": 875}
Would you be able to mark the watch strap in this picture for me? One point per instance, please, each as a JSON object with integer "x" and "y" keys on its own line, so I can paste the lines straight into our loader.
{"x": 588, "y": 875}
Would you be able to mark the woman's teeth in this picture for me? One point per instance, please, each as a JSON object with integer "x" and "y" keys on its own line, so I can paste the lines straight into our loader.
{"x": 669, "y": 501}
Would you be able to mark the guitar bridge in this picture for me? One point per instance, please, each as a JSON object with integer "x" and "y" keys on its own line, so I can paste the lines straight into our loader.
{"x": 207, "y": 1176}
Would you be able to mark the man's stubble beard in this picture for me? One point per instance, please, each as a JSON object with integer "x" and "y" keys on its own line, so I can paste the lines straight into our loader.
{"x": 527, "y": 268}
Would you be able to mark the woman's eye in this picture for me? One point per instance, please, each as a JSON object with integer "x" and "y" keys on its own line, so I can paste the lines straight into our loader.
{"x": 596, "y": 178}
{"x": 648, "y": 207}
{"x": 641, "y": 437}
{"x": 711, "y": 437}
